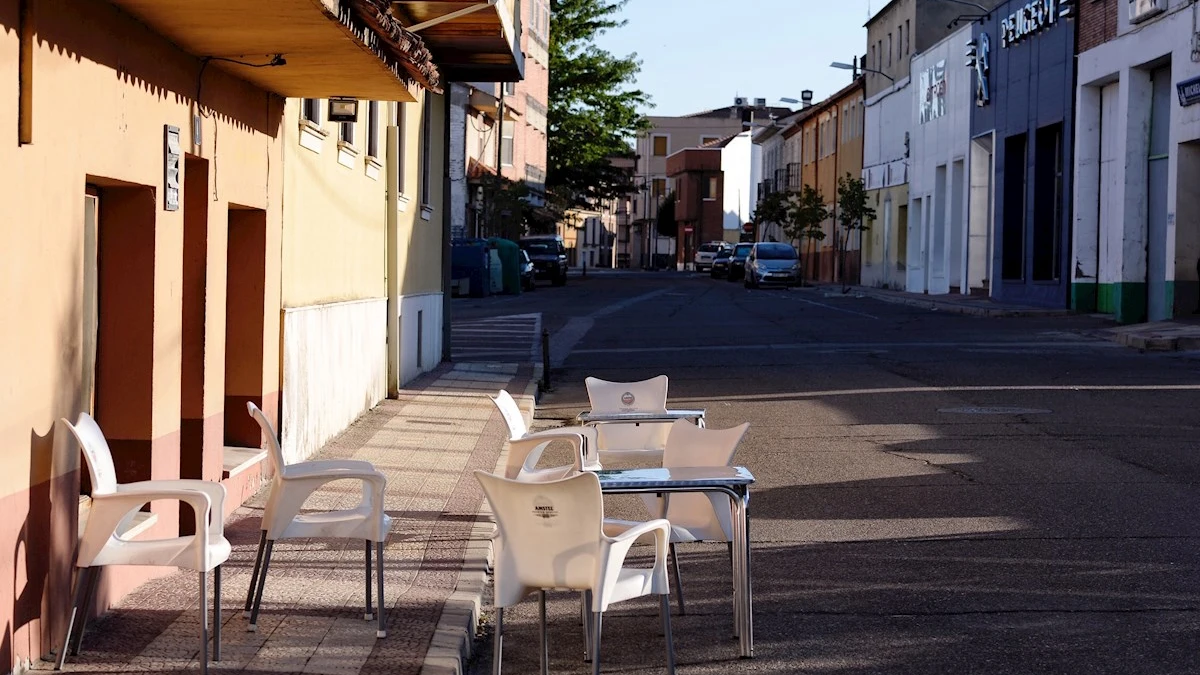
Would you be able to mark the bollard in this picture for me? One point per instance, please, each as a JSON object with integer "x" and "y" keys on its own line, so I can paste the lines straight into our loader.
{"x": 584, "y": 275}
{"x": 545, "y": 360}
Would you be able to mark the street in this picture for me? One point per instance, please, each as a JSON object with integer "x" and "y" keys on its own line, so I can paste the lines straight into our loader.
{"x": 936, "y": 493}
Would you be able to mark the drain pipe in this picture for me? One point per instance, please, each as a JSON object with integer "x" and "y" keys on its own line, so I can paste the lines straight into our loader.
{"x": 392, "y": 221}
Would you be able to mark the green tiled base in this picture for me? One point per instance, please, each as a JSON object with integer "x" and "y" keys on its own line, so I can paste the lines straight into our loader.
{"x": 1125, "y": 301}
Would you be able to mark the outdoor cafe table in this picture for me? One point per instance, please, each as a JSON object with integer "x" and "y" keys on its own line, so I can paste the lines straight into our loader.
{"x": 733, "y": 481}
{"x": 591, "y": 418}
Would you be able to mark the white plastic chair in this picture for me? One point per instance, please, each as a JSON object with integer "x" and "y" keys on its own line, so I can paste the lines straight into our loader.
{"x": 550, "y": 536}
{"x": 282, "y": 519}
{"x": 525, "y": 449}
{"x": 694, "y": 516}
{"x": 621, "y": 441}
{"x": 113, "y": 507}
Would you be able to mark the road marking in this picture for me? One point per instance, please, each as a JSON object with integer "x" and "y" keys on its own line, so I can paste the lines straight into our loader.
{"x": 844, "y": 347}
{"x": 836, "y": 309}
{"x": 513, "y": 336}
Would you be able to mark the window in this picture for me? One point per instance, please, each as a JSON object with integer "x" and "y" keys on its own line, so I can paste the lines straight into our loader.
{"x": 708, "y": 188}
{"x": 346, "y": 132}
{"x": 660, "y": 146}
{"x": 427, "y": 151}
{"x": 1012, "y": 239}
{"x": 889, "y": 49}
{"x": 373, "y": 129}
{"x": 510, "y": 88}
{"x": 908, "y": 36}
{"x": 1047, "y": 203}
{"x": 507, "y": 128}
{"x": 311, "y": 110}
{"x": 658, "y": 188}
{"x": 873, "y": 57}
{"x": 705, "y": 140}
{"x": 400, "y": 136}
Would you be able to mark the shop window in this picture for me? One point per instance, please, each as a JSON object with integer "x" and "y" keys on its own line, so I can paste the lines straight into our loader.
{"x": 1012, "y": 262}
{"x": 1047, "y": 203}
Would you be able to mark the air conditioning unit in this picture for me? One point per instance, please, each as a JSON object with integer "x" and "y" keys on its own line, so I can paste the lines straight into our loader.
{"x": 760, "y": 102}
{"x": 739, "y": 101}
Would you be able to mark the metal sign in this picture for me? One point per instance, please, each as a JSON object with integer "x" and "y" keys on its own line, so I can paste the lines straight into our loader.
{"x": 171, "y": 153}
{"x": 981, "y": 54}
{"x": 933, "y": 92}
{"x": 1033, "y": 18}
{"x": 1189, "y": 91}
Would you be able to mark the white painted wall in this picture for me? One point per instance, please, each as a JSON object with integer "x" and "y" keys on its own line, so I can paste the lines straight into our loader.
{"x": 334, "y": 370}
{"x": 939, "y": 243}
{"x": 420, "y": 334}
{"x": 1114, "y": 200}
{"x": 741, "y": 163}
{"x": 889, "y": 117}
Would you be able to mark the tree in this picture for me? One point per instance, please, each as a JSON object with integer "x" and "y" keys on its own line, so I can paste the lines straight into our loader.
{"x": 504, "y": 208}
{"x": 853, "y": 214}
{"x": 592, "y": 109}
{"x": 807, "y": 213}
{"x": 773, "y": 208}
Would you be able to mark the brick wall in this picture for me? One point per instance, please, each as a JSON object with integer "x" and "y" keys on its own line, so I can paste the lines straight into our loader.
{"x": 1097, "y": 23}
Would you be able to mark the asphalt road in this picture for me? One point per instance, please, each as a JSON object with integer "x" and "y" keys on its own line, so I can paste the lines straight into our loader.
{"x": 936, "y": 493}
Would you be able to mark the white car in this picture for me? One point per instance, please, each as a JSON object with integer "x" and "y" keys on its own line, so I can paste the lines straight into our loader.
{"x": 706, "y": 253}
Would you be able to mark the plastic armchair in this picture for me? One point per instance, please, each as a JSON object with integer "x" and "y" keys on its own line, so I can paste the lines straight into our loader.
{"x": 694, "y": 516}
{"x": 282, "y": 519}
{"x": 550, "y": 536}
{"x": 103, "y": 543}
{"x": 629, "y": 440}
{"x": 525, "y": 448}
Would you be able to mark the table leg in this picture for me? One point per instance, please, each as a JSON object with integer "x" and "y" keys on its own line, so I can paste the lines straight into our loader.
{"x": 747, "y": 589}
{"x": 736, "y": 561}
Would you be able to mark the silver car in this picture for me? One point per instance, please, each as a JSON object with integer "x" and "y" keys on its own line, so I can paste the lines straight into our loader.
{"x": 772, "y": 263}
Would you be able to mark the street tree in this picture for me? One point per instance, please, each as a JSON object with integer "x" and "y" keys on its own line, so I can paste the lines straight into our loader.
{"x": 774, "y": 208}
{"x": 853, "y": 215}
{"x": 807, "y": 213}
{"x": 593, "y": 108}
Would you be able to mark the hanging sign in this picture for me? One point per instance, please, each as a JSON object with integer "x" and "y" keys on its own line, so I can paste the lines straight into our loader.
{"x": 1033, "y": 18}
{"x": 1189, "y": 91}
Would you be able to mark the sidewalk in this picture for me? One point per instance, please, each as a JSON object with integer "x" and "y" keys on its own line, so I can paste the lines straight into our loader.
{"x": 973, "y": 305}
{"x": 428, "y": 441}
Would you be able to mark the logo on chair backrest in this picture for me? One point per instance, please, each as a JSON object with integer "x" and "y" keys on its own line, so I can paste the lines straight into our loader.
{"x": 544, "y": 508}
{"x": 627, "y": 398}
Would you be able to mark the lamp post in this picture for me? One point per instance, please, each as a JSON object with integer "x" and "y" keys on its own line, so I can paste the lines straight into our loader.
{"x": 856, "y": 68}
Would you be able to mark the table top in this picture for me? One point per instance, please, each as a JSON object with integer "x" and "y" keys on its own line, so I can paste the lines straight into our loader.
{"x": 677, "y": 477}
{"x": 641, "y": 416}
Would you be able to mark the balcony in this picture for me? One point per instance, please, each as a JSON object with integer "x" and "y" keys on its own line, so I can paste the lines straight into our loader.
{"x": 299, "y": 48}
{"x": 476, "y": 41}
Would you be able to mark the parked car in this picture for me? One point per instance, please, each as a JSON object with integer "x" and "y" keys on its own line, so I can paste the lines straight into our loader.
{"x": 720, "y": 264}
{"x": 737, "y": 261}
{"x": 528, "y": 283}
{"x": 707, "y": 252}
{"x": 549, "y": 257}
{"x": 772, "y": 263}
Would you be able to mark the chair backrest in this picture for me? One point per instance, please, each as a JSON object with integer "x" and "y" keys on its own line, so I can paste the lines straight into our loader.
{"x": 97, "y": 452}
{"x": 511, "y": 413}
{"x": 691, "y": 445}
{"x": 549, "y": 533}
{"x": 274, "y": 451}
{"x": 643, "y": 396}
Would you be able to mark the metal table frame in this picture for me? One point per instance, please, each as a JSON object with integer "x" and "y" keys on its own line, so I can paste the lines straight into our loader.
{"x": 733, "y": 481}
{"x": 636, "y": 417}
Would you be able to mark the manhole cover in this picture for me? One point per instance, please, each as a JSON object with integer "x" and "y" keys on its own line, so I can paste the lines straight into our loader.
{"x": 994, "y": 410}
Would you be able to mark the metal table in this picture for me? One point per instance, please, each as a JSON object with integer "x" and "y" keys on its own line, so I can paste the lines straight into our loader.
{"x": 733, "y": 481}
{"x": 637, "y": 417}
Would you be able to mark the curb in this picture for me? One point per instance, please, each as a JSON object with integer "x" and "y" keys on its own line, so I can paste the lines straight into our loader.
{"x": 949, "y": 306}
{"x": 454, "y": 637}
{"x": 1158, "y": 343}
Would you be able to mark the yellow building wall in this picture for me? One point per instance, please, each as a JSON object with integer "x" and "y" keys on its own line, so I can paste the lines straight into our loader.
{"x": 102, "y": 88}
{"x": 421, "y": 223}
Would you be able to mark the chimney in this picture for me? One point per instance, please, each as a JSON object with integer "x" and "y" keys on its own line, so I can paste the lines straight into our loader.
{"x": 806, "y": 97}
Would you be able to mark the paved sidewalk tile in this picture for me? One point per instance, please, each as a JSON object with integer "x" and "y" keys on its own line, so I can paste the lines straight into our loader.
{"x": 427, "y": 441}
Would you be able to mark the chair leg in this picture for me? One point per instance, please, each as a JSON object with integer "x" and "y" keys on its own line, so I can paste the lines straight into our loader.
{"x": 203, "y": 622}
{"x": 368, "y": 615}
{"x": 597, "y": 620}
{"x": 498, "y": 642}
{"x": 666, "y": 618}
{"x": 381, "y": 631}
{"x": 545, "y": 646}
{"x": 262, "y": 542}
{"x": 675, "y": 573}
{"x": 216, "y": 613}
{"x": 262, "y": 582}
{"x": 587, "y": 626}
{"x": 88, "y": 596}
{"x": 81, "y": 583}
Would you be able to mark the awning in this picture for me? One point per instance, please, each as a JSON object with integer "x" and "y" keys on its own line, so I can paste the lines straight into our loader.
{"x": 476, "y": 41}
{"x": 299, "y": 48}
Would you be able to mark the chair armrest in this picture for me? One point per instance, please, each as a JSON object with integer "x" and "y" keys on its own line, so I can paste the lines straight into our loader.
{"x": 524, "y": 452}
{"x": 215, "y": 492}
{"x": 618, "y": 548}
{"x": 108, "y": 510}
{"x": 332, "y": 470}
{"x": 322, "y": 465}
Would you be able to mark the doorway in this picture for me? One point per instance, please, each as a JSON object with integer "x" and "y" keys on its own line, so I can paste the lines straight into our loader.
{"x": 193, "y": 462}
{"x": 1187, "y": 232}
{"x": 957, "y": 223}
{"x": 1158, "y": 303}
{"x": 938, "y": 279}
{"x": 245, "y": 311}
{"x": 915, "y": 273}
{"x": 979, "y": 227}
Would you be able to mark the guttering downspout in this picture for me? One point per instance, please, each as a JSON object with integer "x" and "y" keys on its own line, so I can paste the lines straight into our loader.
{"x": 392, "y": 225}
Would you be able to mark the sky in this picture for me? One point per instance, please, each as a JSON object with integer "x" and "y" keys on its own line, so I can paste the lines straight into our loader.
{"x": 699, "y": 54}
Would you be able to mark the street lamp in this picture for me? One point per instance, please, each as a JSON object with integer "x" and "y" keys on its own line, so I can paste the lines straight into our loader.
{"x": 848, "y": 66}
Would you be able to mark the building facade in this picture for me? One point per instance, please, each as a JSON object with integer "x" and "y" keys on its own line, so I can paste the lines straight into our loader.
{"x": 886, "y": 161}
{"x": 939, "y": 244}
{"x": 1136, "y": 249}
{"x": 1021, "y": 150}
{"x": 699, "y": 186}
